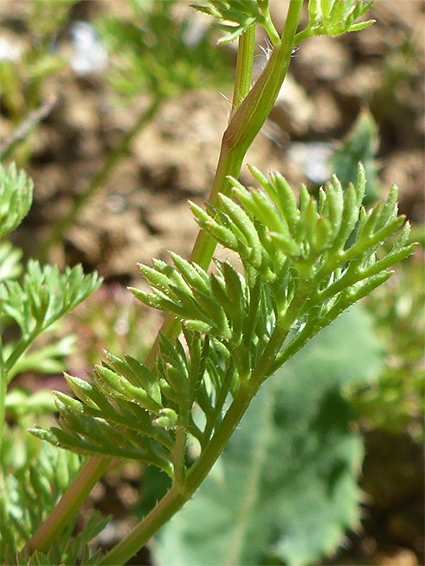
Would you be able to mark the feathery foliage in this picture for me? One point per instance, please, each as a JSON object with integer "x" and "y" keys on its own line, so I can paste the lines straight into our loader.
{"x": 15, "y": 198}
{"x": 241, "y": 14}
{"x": 303, "y": 265}
{"x": 44, "y": 295}
{"x": 335, "y": 17}
{"x": 325, "y": 17}
{"x": 31, "y": 483}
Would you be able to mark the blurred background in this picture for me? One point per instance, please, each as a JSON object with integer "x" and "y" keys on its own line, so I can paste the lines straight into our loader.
{"x": 116, "y": 110}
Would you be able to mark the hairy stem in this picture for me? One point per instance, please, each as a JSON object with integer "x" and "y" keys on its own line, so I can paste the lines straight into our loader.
{"x": 179, "y": 495}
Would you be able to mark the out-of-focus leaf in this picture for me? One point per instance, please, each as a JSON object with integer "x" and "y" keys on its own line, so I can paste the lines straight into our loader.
{"x": 47, "y": 359}
{"x": 21, "y": 402}
{"x": 10, "y": 261}
{"x": 15, "y": 198}
{"x": 361, "y": 145}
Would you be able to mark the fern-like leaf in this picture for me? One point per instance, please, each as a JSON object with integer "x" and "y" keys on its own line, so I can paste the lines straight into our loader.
{"x": 303, "y": 265}
{"x": 15, "y": 198}
{"x": 335, "y": 17}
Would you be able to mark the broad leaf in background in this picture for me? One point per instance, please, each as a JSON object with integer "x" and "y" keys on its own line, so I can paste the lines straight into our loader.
{"x": 360, "y": 145}
{"x": 285, "y": 488}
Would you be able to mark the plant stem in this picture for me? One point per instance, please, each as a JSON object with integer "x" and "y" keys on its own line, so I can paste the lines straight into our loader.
{"x": 7, "y": 365}
{"x": 3, "y": 394}
{"x": 177, "y": 497}
{"x": 231, "y": 155}
{"x": 98, "y": 180}
{"x": 19, "y": 349}
{"x": 69, "y": 505}
{"x": 172, "y": 502}
{"x": 228, "y": 164}
{"x": 179, "y": 453}
{"x": 244, "y": 126}
{"x": 244, "y": 63}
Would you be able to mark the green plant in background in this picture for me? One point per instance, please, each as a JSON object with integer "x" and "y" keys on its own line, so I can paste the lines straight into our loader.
{"x": 32, "y": 300}
{"x": 395, "y": 400}
{"x": 361, "y": 144}
{"x": 159, "y": 51}
{"x": 300, "y": 264}
{"x": 30, "y": 488}
{"x": 44, "y": 295}
{"x": 23, "y": 72}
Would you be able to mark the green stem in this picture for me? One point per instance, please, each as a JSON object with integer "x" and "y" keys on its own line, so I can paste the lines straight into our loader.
{"x": 179, "y": 453}
{"x": 244, "y": 63}
{"x": 244, "y": 126}
{"x": 3, "y": 394}
{"x": 98, "y": 180}
{"x": 19, "y": 349}
{"x": 255, "y": 109}
{"x": 228, "y": 164}
{"x": 8, "y": 365}
{"x": 172, "y": 502}
{"x": 177, "y": 497}
{"x": 230, "y": 155}
{"x": 268, "y": 25}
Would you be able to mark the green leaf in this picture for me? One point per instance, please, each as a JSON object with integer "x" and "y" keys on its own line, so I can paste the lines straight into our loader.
{"x": 10, "y": 261}
{"x": 241, "y": 15}
{"x": 286, "y": 484}
{"x": 15, "y": 198}
{"x": 360, "y": 145}
{"x": 47, "y": 359}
